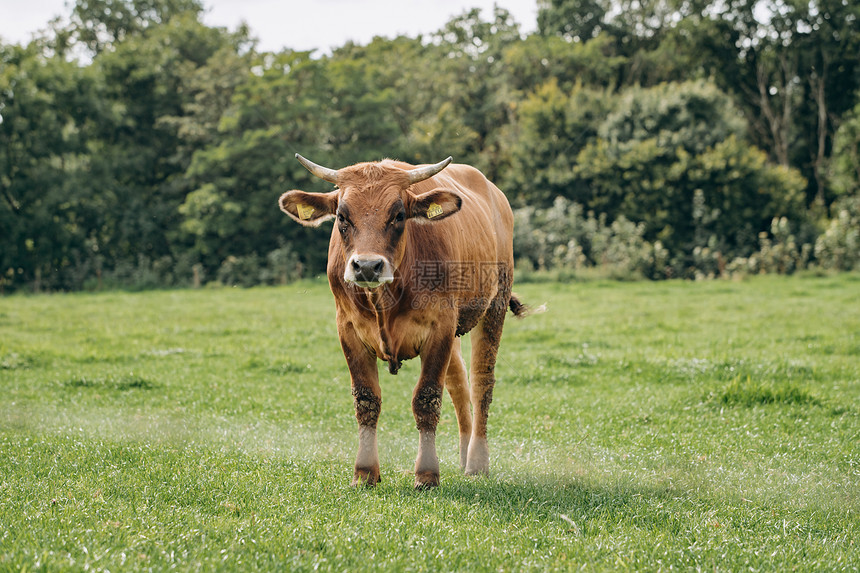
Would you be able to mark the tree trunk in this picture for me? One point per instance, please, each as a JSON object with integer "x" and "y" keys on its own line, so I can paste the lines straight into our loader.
{"x": 817, "y": 82}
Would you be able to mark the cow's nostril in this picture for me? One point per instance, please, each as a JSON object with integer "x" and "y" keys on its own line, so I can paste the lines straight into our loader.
{"x": 367, "y": 270}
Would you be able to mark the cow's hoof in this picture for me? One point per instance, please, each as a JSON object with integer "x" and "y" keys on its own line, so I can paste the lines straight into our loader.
{"x": 367, "y": 477}
{"x": 478, "y": 460}
{"x": 426, "y": 480}
{"x": 476, "y": 470}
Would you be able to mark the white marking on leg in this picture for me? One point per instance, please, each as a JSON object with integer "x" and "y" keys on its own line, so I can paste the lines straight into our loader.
{"x": 427, "y": 460}
{"x": 368, "y": 455}
{"x": 478, "y": 461}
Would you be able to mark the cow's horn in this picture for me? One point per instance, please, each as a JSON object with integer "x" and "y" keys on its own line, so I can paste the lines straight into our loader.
{"x": 422, "y": 173}
{"x": 323, "y": 173}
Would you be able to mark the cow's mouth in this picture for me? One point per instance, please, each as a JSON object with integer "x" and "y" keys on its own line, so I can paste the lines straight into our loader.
{"x": 368, "y": 271}
{"x": 371, "y": 284}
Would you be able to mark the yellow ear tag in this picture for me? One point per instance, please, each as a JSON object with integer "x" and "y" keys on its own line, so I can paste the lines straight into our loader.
{"x": 434, "y": 210}
{"x": 305, "y": 211}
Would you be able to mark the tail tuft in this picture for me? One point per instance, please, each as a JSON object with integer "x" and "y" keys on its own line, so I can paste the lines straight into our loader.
{"x": 521, "y": 310}
{"x": 517, "y": 307}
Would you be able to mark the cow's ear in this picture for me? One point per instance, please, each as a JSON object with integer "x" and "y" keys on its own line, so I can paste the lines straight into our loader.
{"x": 309, "y": 209}
{"x": 434, "y": 205}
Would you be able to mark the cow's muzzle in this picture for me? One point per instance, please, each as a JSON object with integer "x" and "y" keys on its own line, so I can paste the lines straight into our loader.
{"x": 368, "y": 271}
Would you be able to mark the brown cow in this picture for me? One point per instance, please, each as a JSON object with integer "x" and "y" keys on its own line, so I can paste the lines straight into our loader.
{"x": 418, "y": 257}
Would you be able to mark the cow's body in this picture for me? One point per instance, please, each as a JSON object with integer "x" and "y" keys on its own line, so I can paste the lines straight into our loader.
{"x": 406, "y": 285}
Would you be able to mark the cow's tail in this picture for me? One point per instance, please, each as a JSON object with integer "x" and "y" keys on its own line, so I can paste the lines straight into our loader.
{"x": 521, "y": 310}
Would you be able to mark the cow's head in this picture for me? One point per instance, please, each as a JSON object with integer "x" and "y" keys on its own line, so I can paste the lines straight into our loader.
{"x": 371, "y": 204}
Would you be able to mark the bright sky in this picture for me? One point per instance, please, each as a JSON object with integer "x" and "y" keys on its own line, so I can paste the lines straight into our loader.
{"x": 305, "y": 25}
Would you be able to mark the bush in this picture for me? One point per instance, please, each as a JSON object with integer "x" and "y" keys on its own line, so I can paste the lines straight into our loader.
{"x": 145, "y": 273}
{"x": 844, "y": 168}
{"x": 241, "y": 271}
{"x": 561, "y": 237}
{"x": 564, "y": 239}
{"x": 280, "y": 266}
{"x": 674, "y": 157}
{"x": 779, "y": 252}
{"x": 838, "y": 248}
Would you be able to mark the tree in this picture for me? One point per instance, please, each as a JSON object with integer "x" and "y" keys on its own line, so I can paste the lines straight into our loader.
{"x": 645, "y": 35}
{"x": 845, "y": 162}
{"x": 538, "y": 59}
{"x": 100, "y": 24}
{"x": 164, "y": 149}
{"x": 791, "y": 67}
{"x": 674, "y": 158}
{"x": 46, "y": 211}
{"x": 470, "y": 58}
{"x": 572, "y": 20}
{"x": 552, "y": 127}
{"x": 141, "y": 155}
{"x": 392, "y": 99}
{"x": 230, "y": 210}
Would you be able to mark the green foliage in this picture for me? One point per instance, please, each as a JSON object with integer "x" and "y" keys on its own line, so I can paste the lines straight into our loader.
{"x": 157, "y": 158}
{"x": 562, "y": 237}
{"x": 101, "y": 24}
{"x": 280, "y": 266}
{"x": 541, "y": 59}
{"x": 838, "y": 247}
{"x": 780, "y": 252}
{"x": 787, "y": 72}
{"x": 693, "y": 116}
{"x": 48, "y": 109}
{"x": 573, "y": 20}
{"x": 845, "y": 161}
{"x": 685, "y": 171}
{"x": 142, "y": 159}
{"x": 553, "y": 126}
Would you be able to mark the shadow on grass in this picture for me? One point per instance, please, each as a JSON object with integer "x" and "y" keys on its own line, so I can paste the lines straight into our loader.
{"x": 574, "y": 506}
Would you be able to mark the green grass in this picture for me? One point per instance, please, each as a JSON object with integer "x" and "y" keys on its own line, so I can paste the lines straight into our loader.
{"x": 642, "y": 426}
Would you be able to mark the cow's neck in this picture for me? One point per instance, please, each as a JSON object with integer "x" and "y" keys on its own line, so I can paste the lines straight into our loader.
{"x": 381, "y": 303}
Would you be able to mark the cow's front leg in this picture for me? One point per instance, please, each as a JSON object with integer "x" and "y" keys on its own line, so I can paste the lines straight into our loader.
{"x": 426, "y": 406}
{"x": 368, "y": 402}
{"x": 367, "y": 460}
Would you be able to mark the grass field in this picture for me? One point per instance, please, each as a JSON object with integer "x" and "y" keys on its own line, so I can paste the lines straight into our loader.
{"x": 642, "y": 426}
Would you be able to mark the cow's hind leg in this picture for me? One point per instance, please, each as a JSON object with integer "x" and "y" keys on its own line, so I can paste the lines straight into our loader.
{"x": 485, "y": 346}
{"x": 458, "y": 389}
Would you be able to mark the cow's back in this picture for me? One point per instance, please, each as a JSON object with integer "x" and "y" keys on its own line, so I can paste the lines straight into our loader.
{"x": 483, "y": 229}
{"x": 486, "y": 208}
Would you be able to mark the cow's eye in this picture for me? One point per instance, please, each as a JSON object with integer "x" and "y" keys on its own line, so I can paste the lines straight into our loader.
{"x": 399, "y": 218}
{"x": 342, "y": 223}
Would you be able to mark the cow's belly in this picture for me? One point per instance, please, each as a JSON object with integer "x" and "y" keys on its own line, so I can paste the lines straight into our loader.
{"x": 470, "y": 313}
